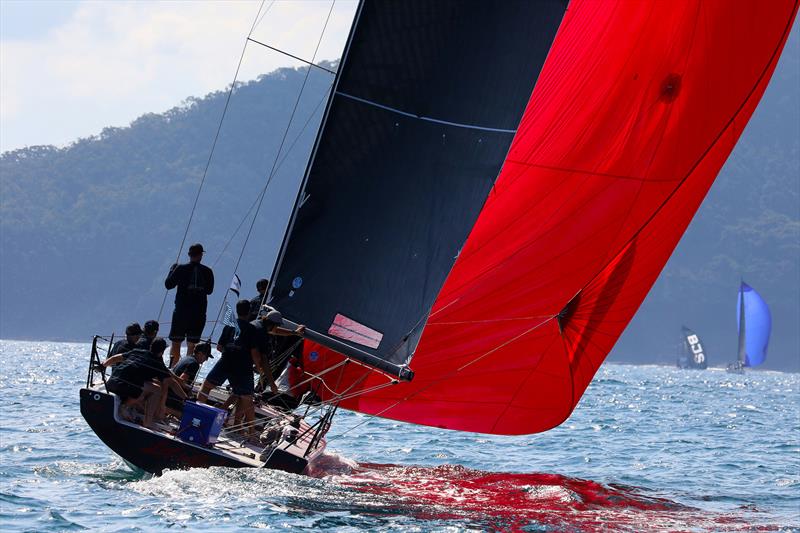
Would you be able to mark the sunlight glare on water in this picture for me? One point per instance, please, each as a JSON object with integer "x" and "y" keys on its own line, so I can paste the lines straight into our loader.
{"x": 647, "y": 448}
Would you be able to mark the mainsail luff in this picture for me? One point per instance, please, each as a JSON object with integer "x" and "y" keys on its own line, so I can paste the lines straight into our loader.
{"x": 622, "y": 139}
{"x": 413, "y": 140}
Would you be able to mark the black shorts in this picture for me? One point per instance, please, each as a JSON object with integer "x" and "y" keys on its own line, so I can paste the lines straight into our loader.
{"x": 238, "y": 375}
{"x": 186, "y": 325}
{"x": 122, "y": 389}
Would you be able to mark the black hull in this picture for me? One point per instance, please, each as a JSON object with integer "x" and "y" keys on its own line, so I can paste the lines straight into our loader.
{"x": 155, "y": 452}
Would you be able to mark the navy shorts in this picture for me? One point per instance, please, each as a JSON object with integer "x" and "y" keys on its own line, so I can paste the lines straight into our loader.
{"x": 238, "y": 375}
{"x": 186, "y": 325}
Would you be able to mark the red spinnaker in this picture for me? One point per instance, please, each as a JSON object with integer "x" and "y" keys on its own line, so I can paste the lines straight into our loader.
{"x": 637, "y": 108}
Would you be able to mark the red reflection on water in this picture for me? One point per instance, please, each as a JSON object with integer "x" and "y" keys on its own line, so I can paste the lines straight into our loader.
{"x": 514, "y": 501}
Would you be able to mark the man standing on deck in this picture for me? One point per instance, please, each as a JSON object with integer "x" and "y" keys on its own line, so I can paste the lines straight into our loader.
{"x": 194, "y": 282}
{"x": 266, "y": 346}
{"x": 259, "y": 299}
{"x": 239, "y": 347}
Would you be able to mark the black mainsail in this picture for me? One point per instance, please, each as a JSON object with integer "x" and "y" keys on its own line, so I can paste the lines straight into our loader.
{"x": 426, "y": 102}
{"x": 691, "y": 353}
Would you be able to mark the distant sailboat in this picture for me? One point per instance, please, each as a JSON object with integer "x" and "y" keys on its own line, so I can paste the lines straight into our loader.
{"x": 691, "y": 353}
{"x": 754, "y": 323}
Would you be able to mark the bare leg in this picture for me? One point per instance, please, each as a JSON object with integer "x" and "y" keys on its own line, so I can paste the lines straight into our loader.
{"x": 202, "y": 396}
{"x": 233, "y": 418}
{"x": 175, "y": 387}
{"x": 175, "y": 353}
{"x": 151, "y": 397}
{"x": 248, "y": 410}
{"x": 189, "y": 347}
{"x": 232, "y": 399}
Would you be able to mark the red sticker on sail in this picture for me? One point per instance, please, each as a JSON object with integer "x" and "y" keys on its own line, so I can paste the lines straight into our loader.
{"x": 350, "y": 330}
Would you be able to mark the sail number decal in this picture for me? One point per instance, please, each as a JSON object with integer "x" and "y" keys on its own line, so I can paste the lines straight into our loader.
{"x": 697, "y": 349}
{"x": 350, "y": 330}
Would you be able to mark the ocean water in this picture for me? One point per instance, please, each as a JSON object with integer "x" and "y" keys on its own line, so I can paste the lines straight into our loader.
{"x": 648, "y": 448}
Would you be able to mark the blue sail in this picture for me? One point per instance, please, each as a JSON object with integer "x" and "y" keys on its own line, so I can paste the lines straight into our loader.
{"x": 754, "y": 322}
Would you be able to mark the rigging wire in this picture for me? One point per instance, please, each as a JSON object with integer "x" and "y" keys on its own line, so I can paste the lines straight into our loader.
{"x": 446, "y": 376}
{"x": 298, "y": 58}
{"x": 213, "y": 147}
{"x": 285, "y": 157}
{"x": 258, "y": 21}
{"x": 275, "y": 161}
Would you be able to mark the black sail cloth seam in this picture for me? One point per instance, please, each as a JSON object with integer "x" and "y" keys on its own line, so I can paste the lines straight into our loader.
{"x": 420, "y": 117}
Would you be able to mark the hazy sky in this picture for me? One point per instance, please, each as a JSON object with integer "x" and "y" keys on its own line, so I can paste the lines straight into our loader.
{"x": 69, "y": 68}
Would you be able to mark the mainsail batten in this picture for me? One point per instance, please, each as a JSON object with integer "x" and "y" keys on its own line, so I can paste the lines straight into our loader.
{"x": 622, "y": 139}
{"x": 414, "y": 139}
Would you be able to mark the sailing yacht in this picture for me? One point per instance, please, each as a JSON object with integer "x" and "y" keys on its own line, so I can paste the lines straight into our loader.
{"x": 754, "y": 324}
{"x": 493, "y": 190}
{"x": 691, "y": 353}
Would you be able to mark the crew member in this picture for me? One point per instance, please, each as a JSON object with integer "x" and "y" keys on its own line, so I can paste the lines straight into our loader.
{"x": 189, "y": 365}
{"x": 133, "y": 377}
{"x": 239, "y": 354}
{"x": 271, "y": 322}
{"x": 150, "y": 332}
{"x": 266, "y": 349}
{"x": 259, "y": 299}
{"x": 132, "y": 334}
{"x": 194, "y": 282}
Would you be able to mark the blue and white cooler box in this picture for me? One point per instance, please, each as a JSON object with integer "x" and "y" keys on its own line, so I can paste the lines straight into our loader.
{"x": 201, "y": 423}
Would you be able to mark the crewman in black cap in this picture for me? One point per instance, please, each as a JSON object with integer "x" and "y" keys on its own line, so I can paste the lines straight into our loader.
{"x": 132, "y": 334}
{"x": 189, "y": 365}
{"x": 150, "y": 332}
{"x": 194, "y": 282}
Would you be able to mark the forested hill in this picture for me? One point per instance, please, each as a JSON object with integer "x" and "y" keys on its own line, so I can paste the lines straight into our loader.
{"x": 89, "y": 230}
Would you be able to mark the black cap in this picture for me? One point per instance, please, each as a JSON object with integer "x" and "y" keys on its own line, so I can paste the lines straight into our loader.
{"x": 205, "y": 348}
{"x": 133, "y": 329}
{"x": 196, "y": 249}
{"x": 151, "y": 326}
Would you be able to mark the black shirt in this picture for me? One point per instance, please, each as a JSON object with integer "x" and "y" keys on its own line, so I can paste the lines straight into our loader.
{"x": 194, "y": 281}
{"x": 121, "y": 348}
{"x": 274, "y": 346}
{"x": 255, "y": 305}
{"x": 236, "y": 350}
{"x": 264, "y": 341}
{"x": 187, "y": 365}
{"x": 138, "y": 367}
{"x": 144, "y": 342}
